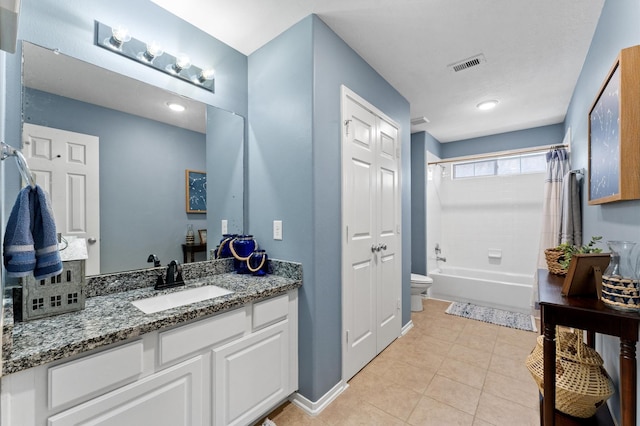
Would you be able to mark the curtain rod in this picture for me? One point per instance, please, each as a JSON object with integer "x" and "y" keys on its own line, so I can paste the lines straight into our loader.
{"x": 498, "y": 154}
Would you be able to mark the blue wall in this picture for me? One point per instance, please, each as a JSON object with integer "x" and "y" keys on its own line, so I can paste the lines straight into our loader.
{"x": 142, "y": 181}
{"x": 537, "y": 136}
{"x": 421, "y": 142}
{"x": 295, "y": 171}
{"x": 617, "y": 28}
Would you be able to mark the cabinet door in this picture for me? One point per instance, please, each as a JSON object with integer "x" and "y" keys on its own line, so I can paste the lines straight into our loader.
{"x": 172, "y": 397}
{"x": 251, "y": 375}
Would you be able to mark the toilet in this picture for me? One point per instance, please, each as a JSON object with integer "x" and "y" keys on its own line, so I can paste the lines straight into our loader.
{"x": 419, "y": 285}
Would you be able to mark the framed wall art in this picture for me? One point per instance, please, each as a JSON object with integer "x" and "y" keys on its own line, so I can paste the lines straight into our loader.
{"x": 196, "y": 191}
{"x": 614, "y": 125}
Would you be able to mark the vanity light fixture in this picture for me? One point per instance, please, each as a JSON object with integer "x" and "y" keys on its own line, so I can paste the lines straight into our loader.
{"x": 118, "y": 40}
{"x": 487, "y": 105}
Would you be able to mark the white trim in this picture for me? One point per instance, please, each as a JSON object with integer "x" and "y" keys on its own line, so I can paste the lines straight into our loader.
{"x": 314, "y": 408}
{"x": 405, "y": 329}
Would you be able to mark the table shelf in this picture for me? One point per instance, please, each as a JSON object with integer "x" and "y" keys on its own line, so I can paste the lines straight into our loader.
{"x": 593, "y": 316}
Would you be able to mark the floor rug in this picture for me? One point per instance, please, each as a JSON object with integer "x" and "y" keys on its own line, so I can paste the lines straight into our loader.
{"x": 494, "y": 316}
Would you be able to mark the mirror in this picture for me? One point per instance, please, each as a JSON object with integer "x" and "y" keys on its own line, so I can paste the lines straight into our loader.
{"x": 144, "y": 152}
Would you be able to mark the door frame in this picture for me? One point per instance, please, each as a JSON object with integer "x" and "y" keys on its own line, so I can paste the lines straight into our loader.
{"x": 346, "y": 93}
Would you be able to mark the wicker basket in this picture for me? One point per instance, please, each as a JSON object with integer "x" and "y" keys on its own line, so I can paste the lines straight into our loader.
{"x": 582, "y": 384}
{"x": 553, "y": 256}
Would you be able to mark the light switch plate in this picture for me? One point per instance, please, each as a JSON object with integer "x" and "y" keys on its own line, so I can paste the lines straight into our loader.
{"x": 277, "y": 230}
{"x": 225, "y": 226}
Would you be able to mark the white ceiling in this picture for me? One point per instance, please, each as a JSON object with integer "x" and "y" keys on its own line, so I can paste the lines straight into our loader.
{"x": 534, "y": 51}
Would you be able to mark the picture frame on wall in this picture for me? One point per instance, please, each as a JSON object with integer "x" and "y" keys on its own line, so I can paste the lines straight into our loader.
{"x": 614, "y": 123}
{"x": 196, "y": 191}
{"x": 203, "y": 236}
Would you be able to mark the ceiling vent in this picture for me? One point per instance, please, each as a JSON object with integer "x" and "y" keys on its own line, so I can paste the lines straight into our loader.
{"x": 464, "y": 64}
{"x": 419, "y": 120}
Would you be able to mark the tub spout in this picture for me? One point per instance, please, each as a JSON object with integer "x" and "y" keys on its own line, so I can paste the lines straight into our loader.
{"x": 440, "y": 258}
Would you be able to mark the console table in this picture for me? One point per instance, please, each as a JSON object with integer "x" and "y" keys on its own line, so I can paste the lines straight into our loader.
{"x": 191, "y": 250}
{"x": 591, "y": 315}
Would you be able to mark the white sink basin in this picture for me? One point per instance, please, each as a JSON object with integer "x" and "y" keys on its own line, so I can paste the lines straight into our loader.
{"x": 154, "y": 304}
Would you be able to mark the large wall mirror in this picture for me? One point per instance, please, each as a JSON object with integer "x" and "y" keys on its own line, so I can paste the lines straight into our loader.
{"x": 144, "y": 149}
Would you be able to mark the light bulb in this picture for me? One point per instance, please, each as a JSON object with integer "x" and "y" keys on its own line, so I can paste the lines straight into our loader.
{"x": 206, "y": 74}
{"x": 119, "y": 35}
{"x": 182, "y": 63}
{"x": 153, "y": 51}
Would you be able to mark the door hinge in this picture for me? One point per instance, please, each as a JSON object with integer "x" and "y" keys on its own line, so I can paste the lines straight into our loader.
{"x": 398, "y": 152}
{"x": 347, "y": 234}
{"x": 346, "y": 126}
{"x": 399, "y": 305}
{"x": 346, "y": 337}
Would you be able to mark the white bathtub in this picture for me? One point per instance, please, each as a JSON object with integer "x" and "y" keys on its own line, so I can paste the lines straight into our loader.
{"x": 506, "y": 291}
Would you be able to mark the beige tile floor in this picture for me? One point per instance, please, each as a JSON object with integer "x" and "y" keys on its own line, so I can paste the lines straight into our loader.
{"x": 445, "y": 371}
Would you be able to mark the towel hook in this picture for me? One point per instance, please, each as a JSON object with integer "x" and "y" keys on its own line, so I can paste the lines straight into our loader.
{"x": 9, "y": 151}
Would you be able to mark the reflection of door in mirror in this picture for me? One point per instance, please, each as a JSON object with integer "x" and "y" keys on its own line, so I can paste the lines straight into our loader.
{"x": 66, "y": 167}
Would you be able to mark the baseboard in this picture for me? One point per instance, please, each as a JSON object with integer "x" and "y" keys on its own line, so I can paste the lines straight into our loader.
{"x": 315, "y": 408}
{"x": 405, "y": 329}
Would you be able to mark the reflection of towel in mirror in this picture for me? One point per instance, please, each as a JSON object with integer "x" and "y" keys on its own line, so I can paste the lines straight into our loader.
{"x": 45, "y": 238}
{"x": 30, "y": 240}
{"x": 19, "y": 253}
{"x": 570, "y": 211}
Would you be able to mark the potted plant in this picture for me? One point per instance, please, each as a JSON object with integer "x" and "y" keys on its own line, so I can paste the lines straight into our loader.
{"x": 559, "y": 257}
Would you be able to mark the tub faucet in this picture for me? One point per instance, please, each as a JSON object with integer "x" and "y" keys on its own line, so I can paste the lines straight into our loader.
{"x": 440, "y": 258}
{"x": 437, "y": 249}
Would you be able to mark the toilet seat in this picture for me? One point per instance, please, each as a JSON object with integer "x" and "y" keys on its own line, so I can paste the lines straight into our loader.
{"x": 421, "y": 279}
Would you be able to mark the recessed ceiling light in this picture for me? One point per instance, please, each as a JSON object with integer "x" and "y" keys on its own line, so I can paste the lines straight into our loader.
{"x": 487, "y": 105}
{"x": 176, "y": 107}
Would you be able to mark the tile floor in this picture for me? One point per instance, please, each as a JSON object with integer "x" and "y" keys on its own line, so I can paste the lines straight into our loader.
{"x": 445, "y": 371}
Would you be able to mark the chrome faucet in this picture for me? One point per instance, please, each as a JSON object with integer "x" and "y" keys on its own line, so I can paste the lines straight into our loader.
{"x": 438, "y": 250}
{"x": 440, "y": 258}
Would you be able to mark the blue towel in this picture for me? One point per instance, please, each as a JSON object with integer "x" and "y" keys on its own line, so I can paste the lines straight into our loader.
{"x": 30, "y": 240}
{"x": 19, "y": 253}
{"x": 45, "y": 237}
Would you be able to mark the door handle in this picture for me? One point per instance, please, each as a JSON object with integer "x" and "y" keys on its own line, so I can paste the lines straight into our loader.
{"x": 374, "y": 249}
{"x": 382, "y": 247}
{"x": 92, "y": 240}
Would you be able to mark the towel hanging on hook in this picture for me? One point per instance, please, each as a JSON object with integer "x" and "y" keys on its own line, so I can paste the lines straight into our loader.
{"x": 9, "y": 151}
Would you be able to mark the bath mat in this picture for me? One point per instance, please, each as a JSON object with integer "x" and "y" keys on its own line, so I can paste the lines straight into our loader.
{"x": 493, "y": 316}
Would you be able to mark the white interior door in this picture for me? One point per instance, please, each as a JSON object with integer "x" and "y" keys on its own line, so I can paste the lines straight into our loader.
{"x": 66, "y": 165}
{"x": 371, "y": 278}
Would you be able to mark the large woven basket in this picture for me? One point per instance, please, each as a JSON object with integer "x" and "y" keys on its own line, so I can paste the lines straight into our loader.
{"x": 582, "y": 384}
{"x": 553, "y": 257}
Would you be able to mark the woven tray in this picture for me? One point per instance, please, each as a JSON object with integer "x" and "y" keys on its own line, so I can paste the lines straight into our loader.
{"x": 553, "y": 256}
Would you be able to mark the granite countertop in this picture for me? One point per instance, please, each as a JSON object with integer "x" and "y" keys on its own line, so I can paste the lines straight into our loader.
{"x": 109, "y": 316}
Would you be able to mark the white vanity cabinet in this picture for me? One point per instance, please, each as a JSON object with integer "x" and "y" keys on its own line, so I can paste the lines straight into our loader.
{"x": 171, "y": 397}
{"x": 227, "y": 369}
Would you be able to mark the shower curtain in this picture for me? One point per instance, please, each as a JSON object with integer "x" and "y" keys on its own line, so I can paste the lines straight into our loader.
{"x": 557, "y": 168}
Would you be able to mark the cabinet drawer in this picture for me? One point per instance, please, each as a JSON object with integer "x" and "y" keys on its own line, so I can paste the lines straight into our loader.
{"x": 179, "y": 342}
{"x": 172, "y": 397}
{"x": 270, "y": 311}
{"x": 89, "y": 375}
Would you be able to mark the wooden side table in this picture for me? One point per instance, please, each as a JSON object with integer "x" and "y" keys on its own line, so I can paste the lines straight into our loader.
{"x": 592, "y": 315}
{"x": 191, "y": 250}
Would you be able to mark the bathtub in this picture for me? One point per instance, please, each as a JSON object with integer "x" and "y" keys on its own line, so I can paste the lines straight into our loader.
{"x": 500, "y": 290}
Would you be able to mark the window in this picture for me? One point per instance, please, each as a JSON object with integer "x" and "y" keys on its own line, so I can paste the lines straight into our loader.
{"x": 501, "y": 166}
